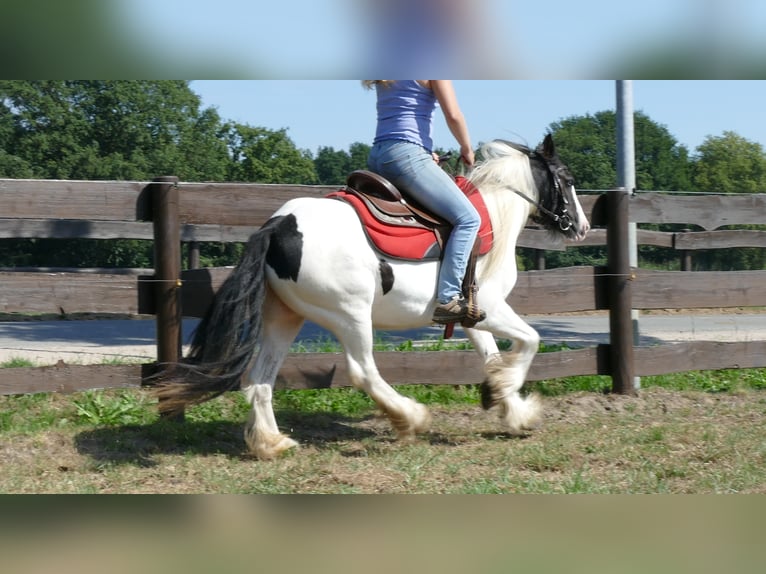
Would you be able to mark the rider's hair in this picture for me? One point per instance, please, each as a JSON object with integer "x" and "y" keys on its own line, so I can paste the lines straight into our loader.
{"x": 370, "y": 84}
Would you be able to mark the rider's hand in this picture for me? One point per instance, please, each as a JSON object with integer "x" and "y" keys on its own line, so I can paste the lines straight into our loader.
{"x": 467, "y": 156}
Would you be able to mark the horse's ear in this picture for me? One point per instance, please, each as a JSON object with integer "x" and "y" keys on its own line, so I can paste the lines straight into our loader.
{"x": 549, "y": 148}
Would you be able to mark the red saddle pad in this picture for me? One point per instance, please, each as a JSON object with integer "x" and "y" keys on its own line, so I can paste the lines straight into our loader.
{"x": 413, "y": 243}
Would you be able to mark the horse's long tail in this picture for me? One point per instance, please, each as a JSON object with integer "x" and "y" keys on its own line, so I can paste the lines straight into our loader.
{"x": 226, "y": 339}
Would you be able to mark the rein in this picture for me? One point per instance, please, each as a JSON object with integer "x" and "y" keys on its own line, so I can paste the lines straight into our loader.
{"x": 564, "y": 221}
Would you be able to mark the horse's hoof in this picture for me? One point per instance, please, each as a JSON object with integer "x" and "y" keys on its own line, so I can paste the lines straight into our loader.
{"x": 522, "y": 415}
{"x": 420, "y": 423}
{"x": 423, "y": 422}
{"x": 271, "y": 447}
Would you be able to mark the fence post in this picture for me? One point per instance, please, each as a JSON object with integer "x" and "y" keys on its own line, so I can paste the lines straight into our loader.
{"x": 620, "y": 296}
{"x": 686, "y": 256}
{"x": 167, "y": 268}
{"x": 192, "y": 261}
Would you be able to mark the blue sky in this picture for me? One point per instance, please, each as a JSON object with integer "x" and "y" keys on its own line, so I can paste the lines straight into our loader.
{"x": 555, "y": 39}
{"x": 337, "y": 113}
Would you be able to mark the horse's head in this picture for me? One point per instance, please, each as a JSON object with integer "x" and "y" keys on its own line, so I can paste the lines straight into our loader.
{"x": 558, "y": 207}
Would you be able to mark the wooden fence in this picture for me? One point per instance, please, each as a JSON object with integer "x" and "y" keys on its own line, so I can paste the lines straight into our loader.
{"x": 171, "y": 213}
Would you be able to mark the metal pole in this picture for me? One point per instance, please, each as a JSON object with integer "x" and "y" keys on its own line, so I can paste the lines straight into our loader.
{"x": 626, "y": 161}
{"x": 626, "y": 175}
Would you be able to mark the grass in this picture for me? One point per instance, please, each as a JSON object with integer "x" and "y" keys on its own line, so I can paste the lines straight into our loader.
{"x": 698, "y": 432}
{"x": 112, "y": 441}
{"x": 99, "y": 409}
{"x": 16, "y": 362}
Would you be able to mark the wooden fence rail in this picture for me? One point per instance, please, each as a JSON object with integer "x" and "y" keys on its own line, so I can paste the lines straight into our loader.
{"x": 197, "y": 212}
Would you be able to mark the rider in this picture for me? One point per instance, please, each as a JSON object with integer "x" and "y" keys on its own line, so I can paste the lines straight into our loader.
{"x": 402, "y": 153}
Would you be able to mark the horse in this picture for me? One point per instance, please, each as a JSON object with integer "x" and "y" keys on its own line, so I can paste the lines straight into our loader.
{"x": 312, "y": 261}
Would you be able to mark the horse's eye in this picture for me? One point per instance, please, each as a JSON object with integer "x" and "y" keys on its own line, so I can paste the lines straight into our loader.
{"x": 570, "y": 183}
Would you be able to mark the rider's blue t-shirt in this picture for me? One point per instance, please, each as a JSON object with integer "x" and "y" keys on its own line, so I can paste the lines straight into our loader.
{"x": 405, "y": 112}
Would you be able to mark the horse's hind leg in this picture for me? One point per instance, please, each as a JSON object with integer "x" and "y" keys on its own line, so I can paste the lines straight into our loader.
{"x": 280, "y": 327}
{"x": 407, "y": 416}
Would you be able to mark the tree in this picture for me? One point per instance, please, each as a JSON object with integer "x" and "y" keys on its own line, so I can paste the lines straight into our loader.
{"x": 109, "y": 129}
{"x": 588, "y": 145}
{"x": 730, "y": 164}
{"x": 333, "y": 166}
{"x": 78, "y": 129}
{"x": 358, "y": 153}
{"x": 267, "y": 156}
{"x": 11, "y": 165}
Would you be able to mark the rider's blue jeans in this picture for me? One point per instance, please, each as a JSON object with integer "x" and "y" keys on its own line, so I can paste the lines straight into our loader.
{"x": 412, "y": 168}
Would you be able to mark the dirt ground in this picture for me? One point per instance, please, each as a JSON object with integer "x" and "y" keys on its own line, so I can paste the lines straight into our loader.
{"x": 659, "y": 442}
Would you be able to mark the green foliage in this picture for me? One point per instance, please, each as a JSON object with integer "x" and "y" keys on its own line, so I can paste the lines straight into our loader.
{"x": 112, "y": 253}
{"x": 588, "y": 145}
{"x": 333, "y": 166}
{"x": 730, "y": 164}
{"x": 108, "y": 129}
{"x": 16, "y": 362}
{"x": 563, "y": 386}
{"x": 99, "y": 409}
{"x": 345, "y": 401}
{"x": 591, "y": 256}
{"x": 352, "y": 402}
{"x": 266, "y": 156}
{"x": 29, "y": 413}
{"x": 220, "y": 254}
{"x": 442, "y": 394}
{"x": 725, "y": 380}
{"x": 735, "y": 259}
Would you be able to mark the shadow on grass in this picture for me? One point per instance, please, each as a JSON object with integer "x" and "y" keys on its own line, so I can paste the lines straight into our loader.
{"x": 140, "y": 445}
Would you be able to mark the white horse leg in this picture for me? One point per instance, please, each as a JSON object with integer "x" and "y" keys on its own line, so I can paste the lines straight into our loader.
{"x": 506, "y": 372}
{"x": 408, "y": 417}
{"x": 280, "y": 327}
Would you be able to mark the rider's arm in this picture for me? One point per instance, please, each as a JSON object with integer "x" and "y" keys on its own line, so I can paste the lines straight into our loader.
{"x": 445, "y": 95}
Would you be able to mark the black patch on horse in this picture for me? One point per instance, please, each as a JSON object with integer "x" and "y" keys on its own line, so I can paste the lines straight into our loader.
{"x": 386, "y": 276}
{"x": 286, "y": 247}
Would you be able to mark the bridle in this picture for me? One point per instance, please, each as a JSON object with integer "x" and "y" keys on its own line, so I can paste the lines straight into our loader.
{"x": 557, "y": 177}
{"x": 559, "y": 214}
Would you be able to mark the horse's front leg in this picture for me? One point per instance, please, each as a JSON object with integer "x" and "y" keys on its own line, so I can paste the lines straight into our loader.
{"x": 506, "y": 372}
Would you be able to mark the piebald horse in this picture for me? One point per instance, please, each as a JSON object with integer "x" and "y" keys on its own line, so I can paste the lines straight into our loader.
{"x": 312, "y": 261}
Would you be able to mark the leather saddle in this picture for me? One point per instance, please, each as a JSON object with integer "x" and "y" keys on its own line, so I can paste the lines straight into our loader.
{"x": 398, "y": 227}
{"x": 387, "y": 205}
